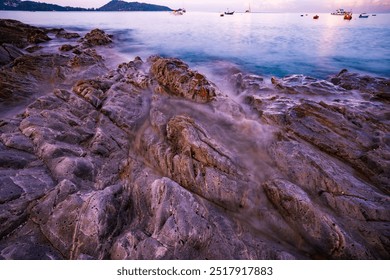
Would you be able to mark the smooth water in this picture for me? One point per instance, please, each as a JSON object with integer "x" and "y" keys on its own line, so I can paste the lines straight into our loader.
{"x": 261, "y": 43}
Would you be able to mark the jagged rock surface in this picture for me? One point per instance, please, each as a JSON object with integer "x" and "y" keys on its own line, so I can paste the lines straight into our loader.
{"x": 152, "y": 161}
{"x": 21, "y": 35}
{"x": 27, "y": 76}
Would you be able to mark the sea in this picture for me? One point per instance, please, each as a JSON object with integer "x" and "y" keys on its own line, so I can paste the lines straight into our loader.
{"x": 267, "y": 44}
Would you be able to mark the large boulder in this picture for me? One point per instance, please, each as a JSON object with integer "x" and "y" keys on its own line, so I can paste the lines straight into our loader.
{"x": 175, "y": 77}
{"x": 21, "y": 35}
{"x": 96, "y": 37}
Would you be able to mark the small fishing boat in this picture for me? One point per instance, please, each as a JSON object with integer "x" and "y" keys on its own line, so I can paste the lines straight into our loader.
{"x": 229, "y": 13}
{"x": 374, "y": 15}
{"x": 249, "y": 9}
{"x": 348, "y": 16}
{"x": 316, "y": 17}
{"x": 363, "y": 15}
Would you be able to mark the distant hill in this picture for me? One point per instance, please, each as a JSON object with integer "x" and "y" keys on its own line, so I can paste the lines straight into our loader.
{"x": 18, "y": 5}
{"x": 114, "y": 5}
{"x": 118, "y": 5}
{"x": 9, "y": 4}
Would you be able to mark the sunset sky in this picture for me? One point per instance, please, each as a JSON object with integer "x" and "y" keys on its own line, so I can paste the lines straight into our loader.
{"x": 256, "y": 5}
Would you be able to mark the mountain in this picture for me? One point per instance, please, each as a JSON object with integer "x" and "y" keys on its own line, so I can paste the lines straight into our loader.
{"x": 34, "y": 6}
{"x": 9, "y": 4}
{"x": 118, "y": 5}
{"x": 114, "y": 5}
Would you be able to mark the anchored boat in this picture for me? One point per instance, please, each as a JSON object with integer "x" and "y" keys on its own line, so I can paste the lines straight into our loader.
{"x": 348, "y": 16}
{"x": 339, "y": 12}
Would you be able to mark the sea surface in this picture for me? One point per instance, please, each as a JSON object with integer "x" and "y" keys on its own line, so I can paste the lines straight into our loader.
{"x": 269, "y": 44}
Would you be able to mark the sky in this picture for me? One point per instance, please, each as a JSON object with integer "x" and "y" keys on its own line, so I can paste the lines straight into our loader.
{"x": 256, "y": 5}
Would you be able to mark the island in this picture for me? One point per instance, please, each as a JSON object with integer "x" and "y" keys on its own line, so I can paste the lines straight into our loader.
{"x": 114, "y": 5}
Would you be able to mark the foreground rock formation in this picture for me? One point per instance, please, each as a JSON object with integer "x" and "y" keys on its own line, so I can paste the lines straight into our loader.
{"x": 152, "y": 160}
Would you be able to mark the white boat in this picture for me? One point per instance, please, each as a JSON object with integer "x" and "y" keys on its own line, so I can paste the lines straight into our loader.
{"x": 179, "y": 12}
{"x": 339, "y": 12}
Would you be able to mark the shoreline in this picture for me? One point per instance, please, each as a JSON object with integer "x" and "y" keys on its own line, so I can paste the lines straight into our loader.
{"x": 155, "y": 160}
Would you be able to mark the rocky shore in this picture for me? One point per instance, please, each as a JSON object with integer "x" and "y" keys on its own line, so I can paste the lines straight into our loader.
{"x": 152, "y": 160}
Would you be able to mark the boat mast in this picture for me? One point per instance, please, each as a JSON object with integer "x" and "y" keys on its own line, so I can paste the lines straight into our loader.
{"x": 249, "y": 9}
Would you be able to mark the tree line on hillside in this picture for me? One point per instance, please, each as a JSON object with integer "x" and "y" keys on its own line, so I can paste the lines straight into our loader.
{"x": 114, "y": 5}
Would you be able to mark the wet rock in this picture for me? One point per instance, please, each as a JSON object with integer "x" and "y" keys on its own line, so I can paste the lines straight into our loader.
{"x": 80, "y": 224}
{"x": 33, "y": 49}
{"x": 185, "y": 153}
{"x": 300, "y": 84}
{"x": 8, "y": 53}
{"x": 346, "y": 134}
{"x": 19, "y": 80}
{"x": 23, "y": 179}
{"x": 126, "y": 106}
{"x": 66, "y": 48}
{"x": 175, "y": 77}
{"x": 62, "y": 33}
{"x": 175, "y": 223}
{"x": 85, "y": 58}
{"x": 95, "y": 38}
{"x": 375, "y": 86}
{"x": 32, "y": 75}
{"x": 319, "y": 229}
{"x": 15, "y": 36}
{"x": 247, "y": 83}
{"x": 21, "y": 35}
{"x": 9, "y": 190}
{"x": 29, "y": 244}
{"x": 134, "y": 72}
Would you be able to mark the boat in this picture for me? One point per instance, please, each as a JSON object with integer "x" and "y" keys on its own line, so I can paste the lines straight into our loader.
{"x": 363, "y": 15}
{"x": 229, "y": 13}
{"x": 316, "y": 17}
{"x": 249, "y": 9}
{"x": 179, "y": 12}
{"x": 348, "y": 15}
{"x": 339, "y": 12}
{"x": 374, "y": 15}
{"x": 221, "y": 15}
